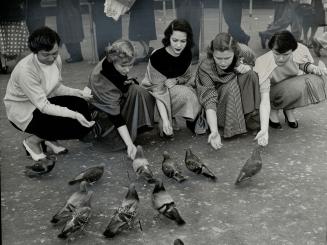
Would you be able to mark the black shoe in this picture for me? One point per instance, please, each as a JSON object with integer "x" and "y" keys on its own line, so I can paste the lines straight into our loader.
{"x": 263, "y": 40}
{"x": 191, "y": 125}
{"x": 276, "y": 125}
{"x": 73, "y": 60}
{"x": 291, "y": 124}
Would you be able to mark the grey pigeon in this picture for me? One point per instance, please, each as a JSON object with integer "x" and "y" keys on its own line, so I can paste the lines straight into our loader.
{"x": 81, "y": 198}
{"x": 251, "y": 167}
{"x": 141, "y": 166}
{"x": 170, "y": 169}
{"x": 164, "y": 203}
{"x": 41, "y": 167}
{"x": 76, "y": 223}
{"x": 194, "y": 164}
{"x": 90, "y": 175}
{"x": 178, "y": 242}
{"x": 125, "y": 215}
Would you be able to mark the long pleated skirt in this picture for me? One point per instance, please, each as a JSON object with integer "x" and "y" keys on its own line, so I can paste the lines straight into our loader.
{"x": 137, "y": 110}
{"x": 238, "y": 105}
{"x": 298, "y": 91}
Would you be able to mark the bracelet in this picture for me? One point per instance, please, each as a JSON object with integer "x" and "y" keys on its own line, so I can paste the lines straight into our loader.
{"x": 305, "y": 68}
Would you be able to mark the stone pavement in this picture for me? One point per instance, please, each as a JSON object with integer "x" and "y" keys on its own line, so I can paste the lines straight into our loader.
{"x": 285, "y": 204}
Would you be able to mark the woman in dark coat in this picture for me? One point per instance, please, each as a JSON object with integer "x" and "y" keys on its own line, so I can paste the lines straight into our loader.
{"x": 120, "y": 107}
{"x": 70, "y": 27}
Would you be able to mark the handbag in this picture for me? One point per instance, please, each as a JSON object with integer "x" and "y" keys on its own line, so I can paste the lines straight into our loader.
{"x": 201, "y": 124}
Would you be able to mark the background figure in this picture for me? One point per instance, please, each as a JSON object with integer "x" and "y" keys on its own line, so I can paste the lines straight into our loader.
{"x": 142, "y": 25}
{"x": 70, "y": 28}
{"x": 35, "y": 17}
{"x": 232, "y": 10}
{"x": 312, "y": 16}
{"x": 288, "y": 17}
{"x": 13, "y": 32}
{"x": 319, "y": 43}
{"x": 191, "y": 10}
{"x": 107, "y": 30}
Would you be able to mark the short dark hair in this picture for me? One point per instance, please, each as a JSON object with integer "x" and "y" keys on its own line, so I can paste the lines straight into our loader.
{"x": 283, "y": 41}
{"x": 43, "y": 38}
{"x": 179, "y": 25}
{"x": 222, "y": 42}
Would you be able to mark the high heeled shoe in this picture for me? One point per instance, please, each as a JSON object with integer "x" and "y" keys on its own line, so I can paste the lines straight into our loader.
{"x": 275, "y": 125}
{"x": 291, "y": 124}
{"x": 58, "y": 150}
{"x": 29, "y": 152}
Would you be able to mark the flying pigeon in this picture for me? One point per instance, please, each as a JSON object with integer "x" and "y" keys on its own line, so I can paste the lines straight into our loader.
{"x": 141, "y": 166}
{"x": 170, "y": 169}
{"x": 251, "y": 167}
{"x": 125, "y": 215}
{"x": 81, "y": 198}
{"x": 194, "y": 164}
{"x": 90, "y": 175}
{"x": 164, "y": 203}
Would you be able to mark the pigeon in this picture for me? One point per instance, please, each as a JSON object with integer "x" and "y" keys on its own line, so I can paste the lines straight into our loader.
{"x": 165, "y": 204}
{"x": 194, "y": 164}
{"x": 178, "y": 242}
{"x": 81, "y": 198}
{"x": 77, "y": 222}
{"x": 141, "y": 166}
{"x": 125, "y": 215}
{"x": 251, "y": 167}
{"x": 170, "y": 169}
{"x": 41, "y": 167}
{"x": 91, "y": 175}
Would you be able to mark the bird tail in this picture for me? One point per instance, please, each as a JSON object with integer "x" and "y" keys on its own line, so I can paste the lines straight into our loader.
{"x": 179, "y": 177}
{"x": 72, "y": 182}
{"x": 241, "y": 177}
{"x": 208, "y": 173}
{"x": 177, "y": 217}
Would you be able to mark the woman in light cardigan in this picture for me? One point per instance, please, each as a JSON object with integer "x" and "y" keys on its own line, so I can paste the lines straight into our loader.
{"x": 39, "y": 104}
{"x": 293, "y": 80}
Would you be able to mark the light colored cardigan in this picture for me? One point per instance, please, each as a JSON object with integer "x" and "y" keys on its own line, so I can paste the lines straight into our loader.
{"x": 28, "y": 89}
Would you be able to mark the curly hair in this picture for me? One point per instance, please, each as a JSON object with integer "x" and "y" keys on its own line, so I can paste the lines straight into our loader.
{"x": 43, "y": 38}
{"x": 222, "y": 42}
{"x": 120, "y": 50}
{"x": 283, "y": 41}
{"x": 179, "y": 25}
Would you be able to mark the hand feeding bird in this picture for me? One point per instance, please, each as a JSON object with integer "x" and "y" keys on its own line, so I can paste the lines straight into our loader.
{"x": 164, "y": 203}
{"x": 125, "y": 215}
{"x": 141, "y": 166}
{"x": 251, "y": 167}
{"x": 91, "y": 175}
{"x": 170, "y": 169}
{"x": 78, "y": 220}
{"x": 81, "y": 198}
{"x": 41, "y": 167}
{"x": 194, "y": 164}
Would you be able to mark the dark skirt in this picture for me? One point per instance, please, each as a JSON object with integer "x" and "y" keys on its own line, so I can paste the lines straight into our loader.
{"x": 52, "y": 128}
{"x": 298, "y": 91}
{"x": 137, "y": 110}
{"x": 238, "y": 104}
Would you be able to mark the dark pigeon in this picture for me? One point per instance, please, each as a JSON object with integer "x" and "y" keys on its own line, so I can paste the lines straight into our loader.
{"x": 194, "y": 164}
{"x": 90, "y": 175}
{"x": 41, "y": 167}
{"x": 170, "y": 169}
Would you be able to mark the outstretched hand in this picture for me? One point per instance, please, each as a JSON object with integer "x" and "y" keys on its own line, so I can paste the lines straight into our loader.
{"x": 131, "y": 151}
{"x": 262, "y": 137}
{"x": 214, "y": 140}
{"x": 82, "y": 120}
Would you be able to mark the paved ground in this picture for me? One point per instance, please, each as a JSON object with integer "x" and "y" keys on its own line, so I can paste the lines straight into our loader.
{"x": 285, "y": 204}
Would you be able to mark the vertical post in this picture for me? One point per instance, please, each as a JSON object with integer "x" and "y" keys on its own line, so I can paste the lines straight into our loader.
{"x": 202, "y": 26}
{"x": 164, "y": 11}
{"x": 220, "y": 26}
{"x": 174, "y": 8}
{"x": 251, "y": 8}
{"x": 95, "y": 57}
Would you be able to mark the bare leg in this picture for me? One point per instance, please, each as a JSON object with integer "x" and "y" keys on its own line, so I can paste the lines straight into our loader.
{"x": 274, "y": 116}
{"x": 290, "y": 115}
{"x": 34, "y": 143}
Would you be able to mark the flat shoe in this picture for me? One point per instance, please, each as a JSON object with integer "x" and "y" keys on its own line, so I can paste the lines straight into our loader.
{"x": 30, "y": 152}
{"x": 56, "y": 149}
{"x": 276, "y": 125}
